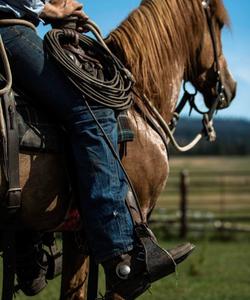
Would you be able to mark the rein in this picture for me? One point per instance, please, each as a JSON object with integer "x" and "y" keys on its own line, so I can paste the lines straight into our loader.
{"x": 221, "y": 101}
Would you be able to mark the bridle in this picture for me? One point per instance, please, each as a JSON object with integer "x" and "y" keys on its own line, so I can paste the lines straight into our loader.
{"x": 220, "y": 101}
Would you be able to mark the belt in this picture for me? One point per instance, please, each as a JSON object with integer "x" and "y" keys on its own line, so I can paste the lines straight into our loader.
{"x": 10, "y": 15}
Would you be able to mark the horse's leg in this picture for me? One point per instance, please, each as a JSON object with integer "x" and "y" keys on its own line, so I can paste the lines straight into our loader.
{"x": 75, "y": 270}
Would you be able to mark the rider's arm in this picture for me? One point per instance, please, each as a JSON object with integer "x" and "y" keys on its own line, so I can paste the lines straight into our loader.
{"x": 59, "y": 9}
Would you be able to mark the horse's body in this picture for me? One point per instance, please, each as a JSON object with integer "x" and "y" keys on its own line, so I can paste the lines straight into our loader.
{"x": 161, "y": 42}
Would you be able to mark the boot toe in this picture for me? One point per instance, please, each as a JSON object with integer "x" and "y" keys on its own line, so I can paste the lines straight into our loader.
{"x": 181, "y": 252}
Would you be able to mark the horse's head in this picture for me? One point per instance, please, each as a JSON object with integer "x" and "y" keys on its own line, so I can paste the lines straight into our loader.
{"x": 212, "y": 76}
{"x": 164, "y": 39}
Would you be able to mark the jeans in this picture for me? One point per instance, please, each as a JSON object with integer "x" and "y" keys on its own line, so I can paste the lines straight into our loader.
{"x": 100, "y": 184}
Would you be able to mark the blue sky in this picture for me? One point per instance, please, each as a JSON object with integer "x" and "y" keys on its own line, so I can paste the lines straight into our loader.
{"x": 236, "y": 42}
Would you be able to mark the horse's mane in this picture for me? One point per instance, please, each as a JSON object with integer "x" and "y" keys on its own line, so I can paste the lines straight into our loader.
{"x": 158, "y": 39}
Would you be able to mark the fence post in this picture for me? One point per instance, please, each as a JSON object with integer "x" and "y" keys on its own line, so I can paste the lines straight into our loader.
{"x": 184, "y": 182}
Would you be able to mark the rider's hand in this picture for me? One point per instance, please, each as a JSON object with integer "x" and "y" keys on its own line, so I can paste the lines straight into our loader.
{"x": 61, "y": 9}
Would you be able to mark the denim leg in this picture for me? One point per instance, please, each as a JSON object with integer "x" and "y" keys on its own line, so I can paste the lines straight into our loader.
{"x": 101, "y": 185}
{"x": 35, "y": 73}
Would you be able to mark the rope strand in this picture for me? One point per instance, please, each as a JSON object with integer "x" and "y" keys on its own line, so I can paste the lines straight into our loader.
{"x": 114, "y": 90}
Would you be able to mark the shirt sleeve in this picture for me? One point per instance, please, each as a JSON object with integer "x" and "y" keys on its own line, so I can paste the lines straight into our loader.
{"x": 34, "y": 7}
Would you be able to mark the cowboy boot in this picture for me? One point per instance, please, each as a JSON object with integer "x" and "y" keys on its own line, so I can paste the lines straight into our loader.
{"x": 131, "y": 274}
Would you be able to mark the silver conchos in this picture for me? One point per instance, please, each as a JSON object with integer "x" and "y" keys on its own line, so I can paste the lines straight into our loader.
{"x": 123, "y": 271}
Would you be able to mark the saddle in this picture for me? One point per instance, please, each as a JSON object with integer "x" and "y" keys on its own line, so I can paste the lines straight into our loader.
{"x": 37, "y": 132}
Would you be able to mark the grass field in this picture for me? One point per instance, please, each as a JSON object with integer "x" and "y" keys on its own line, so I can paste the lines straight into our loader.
{"x": 219, "y": 269}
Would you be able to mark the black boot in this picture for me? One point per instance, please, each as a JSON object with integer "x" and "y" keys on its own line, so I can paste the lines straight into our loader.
{"x": 31, "y": 268}
{"x": 130, "y": 275}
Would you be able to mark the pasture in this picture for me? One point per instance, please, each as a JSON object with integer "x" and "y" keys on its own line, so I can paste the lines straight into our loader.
{"x": 219, "y": 269}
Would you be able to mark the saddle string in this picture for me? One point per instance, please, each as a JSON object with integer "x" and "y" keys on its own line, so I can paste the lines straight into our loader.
{"x": 7, "y": 69}
{"x": 3, "y": 91}
{"x": 5, "y": 22}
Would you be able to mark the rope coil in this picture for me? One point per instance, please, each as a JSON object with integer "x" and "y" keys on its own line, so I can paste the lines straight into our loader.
{"x": 113, "y": 89}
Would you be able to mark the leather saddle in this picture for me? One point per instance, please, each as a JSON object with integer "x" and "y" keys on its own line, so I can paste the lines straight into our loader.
{"x": 37, "y": 132}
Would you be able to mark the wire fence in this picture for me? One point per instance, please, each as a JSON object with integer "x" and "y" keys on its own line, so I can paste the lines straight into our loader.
{"x": 201, "y": 200}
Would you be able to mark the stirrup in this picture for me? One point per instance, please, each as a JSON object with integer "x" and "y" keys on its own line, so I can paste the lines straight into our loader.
{"x": 160, "y": 262}
{"x": 131, "y": 274}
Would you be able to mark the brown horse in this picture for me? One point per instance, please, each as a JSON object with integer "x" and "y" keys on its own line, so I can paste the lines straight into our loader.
{"x": 161, "y": 42}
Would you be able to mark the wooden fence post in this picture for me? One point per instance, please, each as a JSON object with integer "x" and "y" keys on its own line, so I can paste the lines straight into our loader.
{"x": 184, "y": 182}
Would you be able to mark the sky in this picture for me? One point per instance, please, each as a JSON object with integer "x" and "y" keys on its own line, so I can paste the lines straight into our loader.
{"x": 236, "y": 42}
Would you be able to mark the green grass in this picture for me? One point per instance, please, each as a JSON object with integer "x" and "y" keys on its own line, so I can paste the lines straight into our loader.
{"x": 215, "y": 271}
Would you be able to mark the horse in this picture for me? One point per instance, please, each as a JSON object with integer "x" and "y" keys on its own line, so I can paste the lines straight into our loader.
{"x": 162, "y": 42}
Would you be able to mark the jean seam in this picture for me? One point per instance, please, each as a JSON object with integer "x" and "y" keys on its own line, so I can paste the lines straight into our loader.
{"x": 22, "y": 36}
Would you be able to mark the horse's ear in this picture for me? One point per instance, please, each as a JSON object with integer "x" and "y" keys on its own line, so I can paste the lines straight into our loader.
{"x": 219, "y": 11}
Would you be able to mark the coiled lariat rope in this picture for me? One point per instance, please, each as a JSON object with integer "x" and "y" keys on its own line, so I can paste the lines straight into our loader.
{"x": 113, "y": 88}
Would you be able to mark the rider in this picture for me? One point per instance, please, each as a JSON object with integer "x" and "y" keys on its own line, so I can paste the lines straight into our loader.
{"x": 101, "y": 185}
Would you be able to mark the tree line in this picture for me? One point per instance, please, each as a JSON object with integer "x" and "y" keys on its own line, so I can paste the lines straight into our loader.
{"x": 233, "y": 137}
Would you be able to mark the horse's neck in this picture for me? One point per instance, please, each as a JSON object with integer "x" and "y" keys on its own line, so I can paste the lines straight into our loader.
{"x": 156, "y": 51}
{"x": 167, "y": 105}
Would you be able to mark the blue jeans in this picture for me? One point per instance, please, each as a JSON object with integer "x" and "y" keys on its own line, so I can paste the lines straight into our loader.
{"x": 101, "y": 185}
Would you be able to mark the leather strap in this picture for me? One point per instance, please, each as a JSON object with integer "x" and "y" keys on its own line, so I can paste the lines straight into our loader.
{"x": 13, "y": 196}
